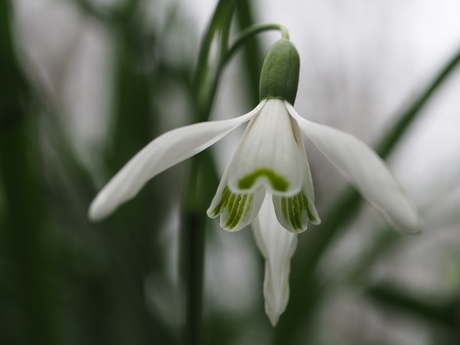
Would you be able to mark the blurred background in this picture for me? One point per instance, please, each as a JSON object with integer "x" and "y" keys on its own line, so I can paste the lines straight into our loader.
{"x": 85, "y": 84}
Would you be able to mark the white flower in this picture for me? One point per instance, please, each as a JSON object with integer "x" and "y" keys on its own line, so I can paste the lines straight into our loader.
{"x": 269, "y": 158}
{"x": 268, "y": 181}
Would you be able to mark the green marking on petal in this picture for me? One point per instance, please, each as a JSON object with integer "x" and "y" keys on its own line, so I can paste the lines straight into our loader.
{"x": 284, "y": 209}
{"x": 231, "y": 202}
{"x": 312, "y": 218}
{"x": 223, "y": 202}
{"x": 291, "y": 213}
{"x": 294, "y": 209}
{"x": 277, "y": 182}
{"x": 248, "y": 205}
{"x": 237, "y": 207}
{"x": 297, "y": 211}
{"x": 234, "y": 210}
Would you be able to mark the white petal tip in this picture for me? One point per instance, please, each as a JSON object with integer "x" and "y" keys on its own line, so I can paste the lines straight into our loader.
{"x": 313, "y": 217}
{"x": 211, "y": 214}
{"x": 98, "y": 210}
{"x": 407, "y": 222}
{"x": 236, "y": 228}
{"x": 274, "y": 317}
{"x": 94, "y": 216}
{"x": 296, "y": 231}
{"x": 413, "y": 229}
{"x": 275, "y": 305}
{"x": 412, "y": 233}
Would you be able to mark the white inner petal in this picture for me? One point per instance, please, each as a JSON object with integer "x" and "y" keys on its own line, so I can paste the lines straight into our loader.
{"x": 269, "y": 154}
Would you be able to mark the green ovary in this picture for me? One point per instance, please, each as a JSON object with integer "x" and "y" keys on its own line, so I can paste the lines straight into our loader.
{"x": 278, "y": 182}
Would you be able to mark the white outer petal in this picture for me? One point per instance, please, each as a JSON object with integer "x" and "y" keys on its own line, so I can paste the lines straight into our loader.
{"x": 365, "y": 170}
{"x": 277, "y": 246}
{"x": 165, "y": 151}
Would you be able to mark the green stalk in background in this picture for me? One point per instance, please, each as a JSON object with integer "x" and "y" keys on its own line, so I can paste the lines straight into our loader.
{"x": 194, "y": 214}
{"x": 110, "y": 303}
{"x": 252, "y": 51}
{"x": 134, "y": 123}
{"x": 193, "y": 220}
{"x": 220, "y": 23}
{"x": 27, "y": 307}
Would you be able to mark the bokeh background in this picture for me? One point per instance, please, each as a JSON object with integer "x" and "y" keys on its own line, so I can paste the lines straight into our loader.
{"x": 85, "y": 84}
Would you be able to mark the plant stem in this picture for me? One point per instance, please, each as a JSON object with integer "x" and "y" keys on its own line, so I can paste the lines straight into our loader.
{"x": 252, "y": 52}
{"x": 194, "y": 213}
{"x": 193, "y": 220}
{"x": 192, "y": 252}
{"x": 223, "y": 11}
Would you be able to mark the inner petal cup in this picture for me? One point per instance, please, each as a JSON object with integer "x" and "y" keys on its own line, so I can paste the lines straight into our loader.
{"x": 235, "y": 210}
{"x": 269, "y": 155}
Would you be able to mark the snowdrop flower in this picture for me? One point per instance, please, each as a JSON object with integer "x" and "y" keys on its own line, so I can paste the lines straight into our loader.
{"x": 268, "y": 181}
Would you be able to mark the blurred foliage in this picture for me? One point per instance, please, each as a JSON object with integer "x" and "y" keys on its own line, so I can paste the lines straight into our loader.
{"x": 64, "y": 280}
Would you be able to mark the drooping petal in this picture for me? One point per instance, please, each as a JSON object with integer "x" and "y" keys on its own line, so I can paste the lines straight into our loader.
{"x": 294, "y": 212}
{"x": 365, "y": 170}
{"x": 268, "y": 155}
{"x": 162, "y": 153}
{"x": 277, "y": 246}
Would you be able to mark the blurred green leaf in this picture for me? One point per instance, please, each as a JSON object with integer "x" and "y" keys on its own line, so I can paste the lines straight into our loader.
{"x": 252, "y": 51}
{"x": 25, "y": 281}
{"x": 444, "y": 314}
